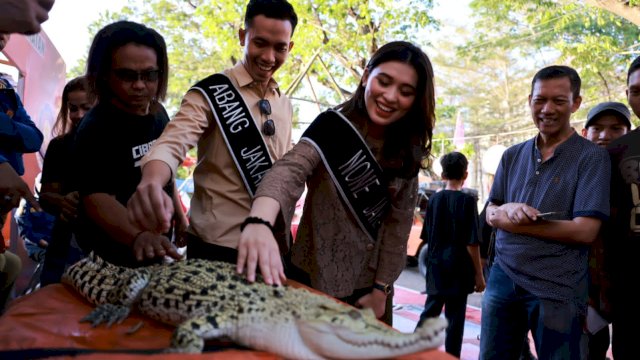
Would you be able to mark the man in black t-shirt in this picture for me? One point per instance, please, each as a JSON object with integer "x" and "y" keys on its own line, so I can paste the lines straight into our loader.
{"x": 624, "y": 237}
{"x": 127, "y": 71}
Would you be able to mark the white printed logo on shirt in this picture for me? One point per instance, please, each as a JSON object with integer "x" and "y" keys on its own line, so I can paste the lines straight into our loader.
{"x": 139, "y": 151}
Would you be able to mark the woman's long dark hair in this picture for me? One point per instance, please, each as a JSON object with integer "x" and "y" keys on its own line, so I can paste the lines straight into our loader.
{"x": 63, "y": 124}
{"x": 407, "y": 141}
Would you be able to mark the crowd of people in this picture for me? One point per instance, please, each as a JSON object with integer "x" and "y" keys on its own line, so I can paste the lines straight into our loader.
{"x": 563, "y": 208}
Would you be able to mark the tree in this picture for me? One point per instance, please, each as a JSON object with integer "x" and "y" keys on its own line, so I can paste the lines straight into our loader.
{"x": 594, "y": 41}
{"x": 338, "y": 35}
{"x": 485, "y": 69}
{"x": 629, "y": 10}
{"x": 513, "y": 39}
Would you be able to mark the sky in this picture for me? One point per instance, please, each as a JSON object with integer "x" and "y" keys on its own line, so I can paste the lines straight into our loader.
{"x": 69, "y": 21}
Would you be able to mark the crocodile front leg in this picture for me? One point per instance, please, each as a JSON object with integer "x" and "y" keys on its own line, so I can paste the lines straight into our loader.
{"x": 189, "y": 336}
{"x": 124, "y": 293}
{"x": 107, "y": 313}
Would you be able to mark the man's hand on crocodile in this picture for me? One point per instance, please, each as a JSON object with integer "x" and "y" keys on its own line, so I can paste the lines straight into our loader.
{"x": 258, "y": 247}
{"x": 150, "y": 207}
{"x": 148, "y": 245}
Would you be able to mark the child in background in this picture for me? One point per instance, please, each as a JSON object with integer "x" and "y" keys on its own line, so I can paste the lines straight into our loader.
{"x": 451, "y": 232}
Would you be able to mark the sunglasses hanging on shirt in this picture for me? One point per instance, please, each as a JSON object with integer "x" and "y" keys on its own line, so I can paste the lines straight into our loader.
{"x": 268, "y": 127}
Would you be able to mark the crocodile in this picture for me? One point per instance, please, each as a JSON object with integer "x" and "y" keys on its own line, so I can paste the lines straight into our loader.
{"x": 208, "y": 299}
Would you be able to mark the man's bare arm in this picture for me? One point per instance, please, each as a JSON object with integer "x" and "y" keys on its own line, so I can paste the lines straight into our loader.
{"x": 520, "y": 219}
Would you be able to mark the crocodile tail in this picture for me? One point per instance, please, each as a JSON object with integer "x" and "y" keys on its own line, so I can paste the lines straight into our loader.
{"x": 94, "y": 278}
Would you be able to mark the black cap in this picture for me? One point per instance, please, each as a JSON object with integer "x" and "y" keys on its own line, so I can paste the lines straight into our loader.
{"x": 611, "y": 107}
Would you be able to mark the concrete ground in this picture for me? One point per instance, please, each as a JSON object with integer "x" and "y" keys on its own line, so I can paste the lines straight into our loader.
{"x": 409, "y": 303}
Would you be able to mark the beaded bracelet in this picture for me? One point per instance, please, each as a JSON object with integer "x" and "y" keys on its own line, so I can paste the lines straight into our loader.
{"x": 255, "y": 220}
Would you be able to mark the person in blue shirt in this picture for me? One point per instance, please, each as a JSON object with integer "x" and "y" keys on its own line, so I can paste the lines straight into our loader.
{"x": 18, "y": 135}
{"x": 539, "y": 278}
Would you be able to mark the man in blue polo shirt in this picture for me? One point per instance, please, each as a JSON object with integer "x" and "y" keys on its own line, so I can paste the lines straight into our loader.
{"x": 539, "y": 278}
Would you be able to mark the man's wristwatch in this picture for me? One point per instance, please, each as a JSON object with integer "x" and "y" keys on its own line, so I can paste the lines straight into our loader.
{"x": 386, "y": 289}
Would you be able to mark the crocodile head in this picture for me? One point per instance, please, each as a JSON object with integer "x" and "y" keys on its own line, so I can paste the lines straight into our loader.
{"x": 345, "y": 333}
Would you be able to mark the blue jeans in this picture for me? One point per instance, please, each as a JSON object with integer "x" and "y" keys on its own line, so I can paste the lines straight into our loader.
{"x": 509, "y": 312}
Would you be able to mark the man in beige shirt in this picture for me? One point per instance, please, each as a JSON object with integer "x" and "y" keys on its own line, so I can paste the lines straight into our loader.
{"x": 221, "y": 201}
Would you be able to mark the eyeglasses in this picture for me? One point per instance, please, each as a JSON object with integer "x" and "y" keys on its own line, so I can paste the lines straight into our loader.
{"x": 269, "y": 127}
{"x": 129, "y": 75}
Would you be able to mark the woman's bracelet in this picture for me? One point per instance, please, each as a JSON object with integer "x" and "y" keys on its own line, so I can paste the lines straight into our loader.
{"x": 255, "y": 220}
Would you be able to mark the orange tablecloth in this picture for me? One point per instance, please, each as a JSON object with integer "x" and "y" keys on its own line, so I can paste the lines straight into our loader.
{"x": 45, "y": 323}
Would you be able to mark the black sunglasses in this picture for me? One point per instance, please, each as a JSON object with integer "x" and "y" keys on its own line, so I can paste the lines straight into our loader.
{"x": 129, "y": 75}
{"x": 269, "y": 127}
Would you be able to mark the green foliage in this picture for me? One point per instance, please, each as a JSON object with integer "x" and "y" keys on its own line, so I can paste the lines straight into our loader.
{"x": 484, "y": 69}
{"x": 183, "y": 172}
{"x": 79, "y": 69}
{"x": 202, "y": 37}
{"x": 442, "y": 144}
{"x": 489, "y": 74}
{"x": 594, "y": 41}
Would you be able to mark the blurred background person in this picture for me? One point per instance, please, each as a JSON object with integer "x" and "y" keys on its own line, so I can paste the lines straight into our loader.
{"x": 606, "y": 122}
{"x": 59, "y": 190}
{"x": 18, "y": 135}
{"x": 625, "y": 227}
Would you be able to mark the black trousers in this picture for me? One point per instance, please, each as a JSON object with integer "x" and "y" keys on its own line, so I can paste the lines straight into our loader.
{"x": 199, "y": 249}
{"x": 455, "y": 307}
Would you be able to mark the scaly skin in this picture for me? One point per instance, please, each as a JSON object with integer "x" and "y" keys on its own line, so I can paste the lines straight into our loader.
{"x": 207, "y": 299}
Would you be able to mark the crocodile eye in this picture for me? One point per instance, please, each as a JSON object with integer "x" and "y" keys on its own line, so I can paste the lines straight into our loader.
{"x": 355, "y": 314}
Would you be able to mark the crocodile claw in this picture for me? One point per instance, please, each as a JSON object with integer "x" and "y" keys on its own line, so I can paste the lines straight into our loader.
{"x": 107, "y": 314}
